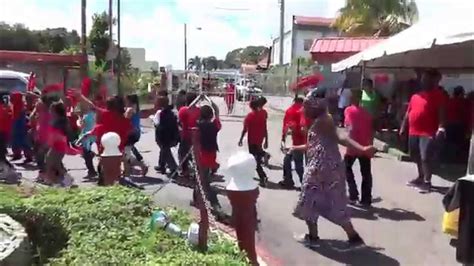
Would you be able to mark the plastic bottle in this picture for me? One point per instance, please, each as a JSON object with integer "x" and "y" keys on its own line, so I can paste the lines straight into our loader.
{"x": 159, "y": 219}
{"x": 193, "y": 234}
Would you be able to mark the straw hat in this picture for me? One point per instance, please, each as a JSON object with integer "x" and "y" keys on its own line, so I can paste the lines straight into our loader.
{"x": 241, "y": 166}
{"x": 111, "y": 142}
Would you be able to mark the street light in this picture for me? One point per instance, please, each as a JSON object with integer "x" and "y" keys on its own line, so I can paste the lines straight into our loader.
{"x": 186, "y": 48}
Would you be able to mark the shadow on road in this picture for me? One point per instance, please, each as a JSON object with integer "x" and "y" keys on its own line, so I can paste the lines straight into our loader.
{"x": 336, "y": 250}
{"x": 375, "y": 213}
{"x": 147, "y": 180}
{"x": 450, "y": 172}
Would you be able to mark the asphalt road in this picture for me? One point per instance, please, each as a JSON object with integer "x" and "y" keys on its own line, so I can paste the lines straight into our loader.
{"x": 402, "y": 228}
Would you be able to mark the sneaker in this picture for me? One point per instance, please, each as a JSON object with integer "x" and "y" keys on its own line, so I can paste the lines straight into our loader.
{"x": 415, "y": 182}
{"x": 353, "y": 200}
{"x": 365, "y": 204}
{"x": 286, "y": 185}
{"x": 308, "y": 241}
{"x": 355, "y": 242}
{"x": 263, "y": 182}
{"x": 161, "y": 170}
{"x": 425, "y": 188}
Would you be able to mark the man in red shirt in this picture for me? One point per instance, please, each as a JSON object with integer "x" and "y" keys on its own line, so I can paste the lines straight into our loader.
{"x": 292, "y": 125}
{"x": 359, "y": 123}
{"x": 457, "y": 117}
{"x": 255, "y": 124}
{"x": 188, "y": 117}
{"x": 426, "y": 117}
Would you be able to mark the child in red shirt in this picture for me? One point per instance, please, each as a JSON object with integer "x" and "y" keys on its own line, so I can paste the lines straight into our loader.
{"x": 292, "y": 125}
{"x": 255, "y": 124}
{"x": 359, "y": 123}
{"x": 208, "y": 148}
{"x": 188, "y": 117}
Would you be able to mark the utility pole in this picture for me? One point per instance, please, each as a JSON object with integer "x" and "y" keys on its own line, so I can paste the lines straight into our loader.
{"x": 84, "y": 65}
{"x": 111, "y": 20}
{"x": 282, "y": 29}
{"x": 185, "y": 48}
{"x": 119, "y": 67}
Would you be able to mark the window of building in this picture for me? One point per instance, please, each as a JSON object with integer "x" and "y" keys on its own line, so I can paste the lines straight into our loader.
{"x": 307, "y": 44}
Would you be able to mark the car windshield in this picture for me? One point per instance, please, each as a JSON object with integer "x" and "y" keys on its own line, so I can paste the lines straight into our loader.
{"x": 12, "y": 84}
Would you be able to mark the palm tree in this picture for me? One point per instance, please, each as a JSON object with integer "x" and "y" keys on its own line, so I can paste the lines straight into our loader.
{"x": 195, "y": 63}
{"x": 378, "y": 18}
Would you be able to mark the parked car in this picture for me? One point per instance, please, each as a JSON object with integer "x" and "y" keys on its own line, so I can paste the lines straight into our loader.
{"x": 246, "y": 93}
{"x": 11, "y": 81}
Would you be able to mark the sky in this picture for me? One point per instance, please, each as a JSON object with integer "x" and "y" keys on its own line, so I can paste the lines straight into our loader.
{"x": 214, "y": 26}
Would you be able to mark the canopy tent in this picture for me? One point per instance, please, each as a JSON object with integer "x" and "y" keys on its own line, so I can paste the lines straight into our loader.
{"x": 446, "y": 43}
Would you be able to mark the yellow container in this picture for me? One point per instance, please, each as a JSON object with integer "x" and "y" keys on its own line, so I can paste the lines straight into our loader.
{"x": 451, "y": 223}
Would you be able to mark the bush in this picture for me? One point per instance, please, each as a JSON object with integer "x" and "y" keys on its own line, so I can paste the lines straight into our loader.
{"x": 106, "y": 226}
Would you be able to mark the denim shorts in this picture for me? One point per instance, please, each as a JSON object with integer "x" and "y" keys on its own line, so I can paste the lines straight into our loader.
{"x": 423, "y": 147}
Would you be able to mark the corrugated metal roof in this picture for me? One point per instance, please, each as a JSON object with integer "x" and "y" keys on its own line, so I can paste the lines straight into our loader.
{"x": 343, "y": 44}
{"x": 313, "y": 21}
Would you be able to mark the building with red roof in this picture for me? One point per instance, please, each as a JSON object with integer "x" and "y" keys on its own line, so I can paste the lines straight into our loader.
{"x": 297, "y": 41}
{"x": 333, "y": 49}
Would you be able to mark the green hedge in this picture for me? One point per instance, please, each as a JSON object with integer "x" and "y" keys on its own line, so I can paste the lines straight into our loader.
{"x": 106, "y": 226}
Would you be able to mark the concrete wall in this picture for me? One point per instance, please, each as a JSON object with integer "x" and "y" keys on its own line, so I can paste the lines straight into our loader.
{"x": 138, "y": 60}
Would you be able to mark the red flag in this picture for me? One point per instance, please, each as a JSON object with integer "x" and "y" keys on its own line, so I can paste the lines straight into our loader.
{"x": 57, "y": 87}
{"x": 307, "y": 82}
{"x": 381, "y": 78}
{"x": 31, "y": 82}
{"x": 86, "y": 86}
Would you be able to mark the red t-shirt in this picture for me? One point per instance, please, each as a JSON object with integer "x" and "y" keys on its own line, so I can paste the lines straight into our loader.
{"x": 423, "y": 118}
{"x": 6, "y": 120}
{"x": 359, "y": 123}
{"x": 188, "y": 117}
{"x": 292, "y": 121}
{"x": 112, "y": 122}
{"x": 255, "y": 123}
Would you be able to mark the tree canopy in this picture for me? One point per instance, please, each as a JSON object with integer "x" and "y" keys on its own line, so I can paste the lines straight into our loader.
{"x": 17, "y": 37}
{"x": 376, "y": 17}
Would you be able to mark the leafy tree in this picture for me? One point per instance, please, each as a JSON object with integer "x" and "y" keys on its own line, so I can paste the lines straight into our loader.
{"x": 376, "y": 17}
{"x": 210, "y": 63}
{"x": 124, "y": 61}
{"x": 232, "y": 59}
{"x": 195, "y": 63}
{"x": 99, "y": 37}
{"x": 20, "y": 38}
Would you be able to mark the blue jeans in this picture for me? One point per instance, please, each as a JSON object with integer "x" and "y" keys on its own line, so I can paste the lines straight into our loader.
{"x": 298, "y": 158}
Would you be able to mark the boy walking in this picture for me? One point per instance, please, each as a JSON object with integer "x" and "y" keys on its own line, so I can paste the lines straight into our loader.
{"x": 166, "y": 135}
{"x": 359, "y": 123}
{"x": 292, "y": 124}
{"x": 255, "y": 124}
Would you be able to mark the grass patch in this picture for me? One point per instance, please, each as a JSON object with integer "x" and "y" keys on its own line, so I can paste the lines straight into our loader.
{"x": 106, "y": 226}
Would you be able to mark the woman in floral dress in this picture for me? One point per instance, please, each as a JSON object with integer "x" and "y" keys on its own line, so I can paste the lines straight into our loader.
{"x": 323, "y": 191}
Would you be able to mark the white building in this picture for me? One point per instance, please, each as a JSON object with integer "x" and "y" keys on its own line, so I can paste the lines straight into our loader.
{"x": 139, "y": 61}
{"x": 298, "y": 40}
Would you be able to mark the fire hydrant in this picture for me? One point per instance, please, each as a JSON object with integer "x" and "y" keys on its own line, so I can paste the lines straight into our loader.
{"x": 110, "y": 159}
{"x": 242, "y": 192}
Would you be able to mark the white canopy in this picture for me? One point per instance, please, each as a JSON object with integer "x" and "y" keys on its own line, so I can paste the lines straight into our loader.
{"x": 443, "y": 42}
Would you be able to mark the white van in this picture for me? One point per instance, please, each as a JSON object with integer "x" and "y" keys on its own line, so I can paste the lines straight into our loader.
{"x": 11, "y": 81}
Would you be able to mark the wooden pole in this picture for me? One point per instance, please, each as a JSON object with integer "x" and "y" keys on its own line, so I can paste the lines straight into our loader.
{"x": 85, "y": 64}
{"x": 119, "y": 66}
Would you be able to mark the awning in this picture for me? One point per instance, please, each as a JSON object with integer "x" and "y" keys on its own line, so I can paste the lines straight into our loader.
{"x": 446, "y": 43}
{"x": 333, "y": 49}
